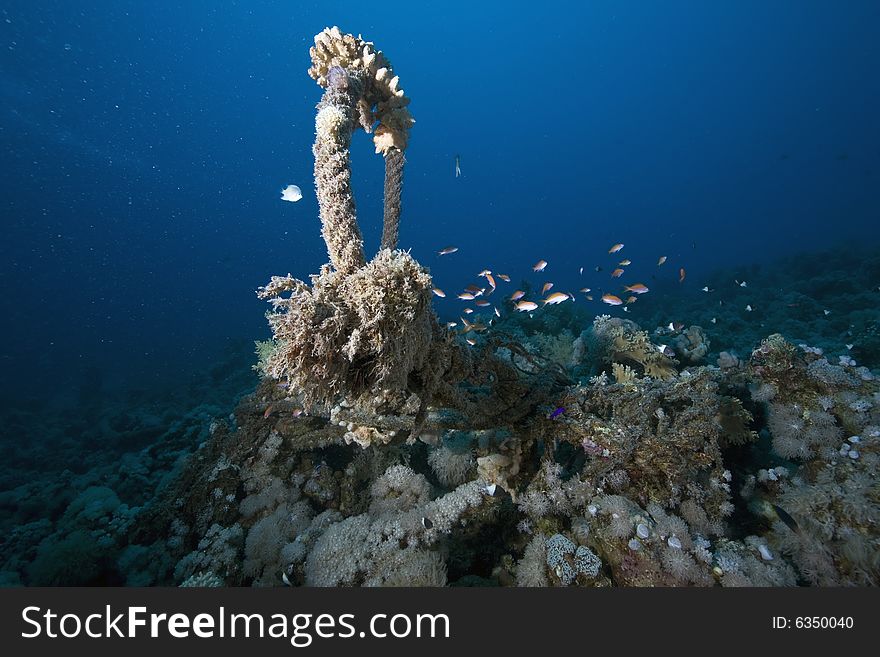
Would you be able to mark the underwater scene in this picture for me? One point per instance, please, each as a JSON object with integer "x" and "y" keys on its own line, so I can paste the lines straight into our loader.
{"x": 576, "y": 294}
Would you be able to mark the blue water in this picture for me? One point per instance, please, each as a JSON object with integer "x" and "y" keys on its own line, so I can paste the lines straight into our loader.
{"x": 144, "y": 147}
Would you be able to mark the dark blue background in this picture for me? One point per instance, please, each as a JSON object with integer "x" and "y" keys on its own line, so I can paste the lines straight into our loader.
{"x": 145, "y": 144}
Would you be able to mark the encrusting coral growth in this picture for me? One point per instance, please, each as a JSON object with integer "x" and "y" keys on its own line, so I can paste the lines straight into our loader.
{"x": 360, "y": 328}
{"x": 359, "y": 83}
{"x": 380, "y": 451}
{"x": 394, "y": 161}
{"x": 362, "y": 341}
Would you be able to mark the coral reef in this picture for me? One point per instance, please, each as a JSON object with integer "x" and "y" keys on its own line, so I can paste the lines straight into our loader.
{"x": 380, "y": 449}
{"x": 488, "y": 461}
{"x": 644, "y": 482}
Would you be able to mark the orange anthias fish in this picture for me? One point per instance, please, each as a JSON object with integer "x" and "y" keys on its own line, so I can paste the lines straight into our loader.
{"x": 466, "y": 296}
{"x": 681, "y": 275}
{"x": 491, "y": 281}
{"x": 526, "y": 306}
{"x": 540, "y": 265}
{"x": 516, "y": 296}
{"x": 617, "y": 273}
{"x": 612, "y": 300}
{"x": 468, "y": 311}
{"x": 661, "y": 260}
{"x": 547, "y": 286}
{"x": 485, "y": 272}
{"x": 269, "y": 410}
{"x": 638, "y": 288}
{"x": 504, "y": 277}
{"x": 615, "y": 248}
{"x": 632, "y": 299}
{"x": 625, "y": 263}
{"x": 447, "y": 250}
{"x": 482, "y": 303}
{"x": 440, "y": 293}
{"x": 556, "y": 297}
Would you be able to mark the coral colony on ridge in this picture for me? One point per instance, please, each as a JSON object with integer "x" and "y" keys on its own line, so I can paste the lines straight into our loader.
{"x": 519, "y": 445}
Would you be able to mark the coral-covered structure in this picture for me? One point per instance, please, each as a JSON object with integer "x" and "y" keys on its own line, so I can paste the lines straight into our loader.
{"x": 361, "y": 343}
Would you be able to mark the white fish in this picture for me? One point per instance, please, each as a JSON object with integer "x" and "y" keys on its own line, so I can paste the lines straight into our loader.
{"x": 749, "y": 308}
{"x": 706, "y": 289}
{"x": 713, "y": 320}
{"x": 291, "y": 193}
{"x": 849, "y": 347}
{"x": 827, "y": 312}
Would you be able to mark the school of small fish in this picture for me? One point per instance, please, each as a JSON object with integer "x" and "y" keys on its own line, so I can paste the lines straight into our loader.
{"x": 517, "y": 301}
